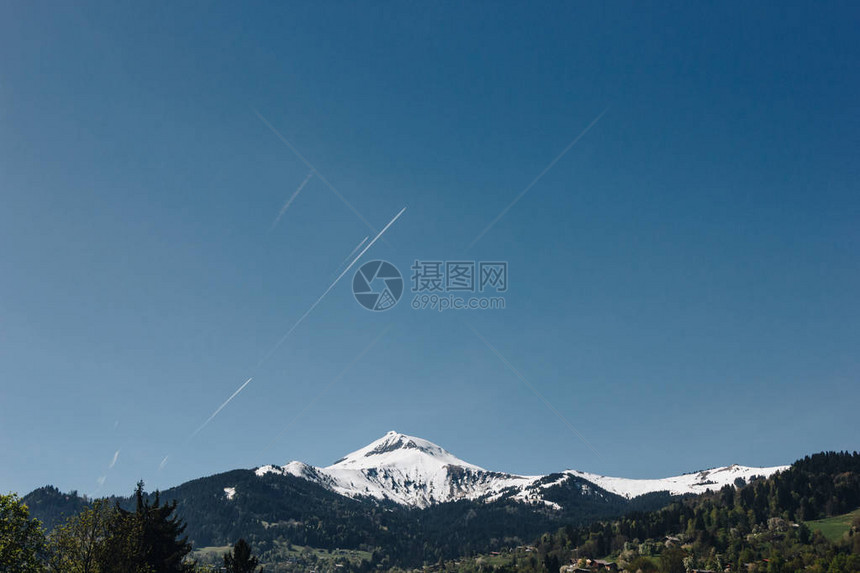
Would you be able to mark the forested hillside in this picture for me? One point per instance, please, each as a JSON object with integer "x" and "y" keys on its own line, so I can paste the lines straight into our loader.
{"x": 759, "y": 527}
{"x": 277, "y": 512}
{"x": 293, "y": 523}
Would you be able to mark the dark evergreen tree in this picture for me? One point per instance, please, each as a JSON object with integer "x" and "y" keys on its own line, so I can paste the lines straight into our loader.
{"x": 551, "y": 563}
{"x": 240, "y": 560}
{"x": 121, "y": 551}
{"x": 153, "y": 535}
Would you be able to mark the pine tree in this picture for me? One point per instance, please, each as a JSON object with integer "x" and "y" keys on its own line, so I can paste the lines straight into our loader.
{"x": 150, "y": 538}
{"x": 240, "y": 559}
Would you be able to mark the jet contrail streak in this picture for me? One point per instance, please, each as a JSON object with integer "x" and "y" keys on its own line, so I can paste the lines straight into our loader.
{"x": 538, "y": 178}
{"x": 349, "y": 256}
{"x": 313, "y": 169}
{"x": 331, "y": 286}
{"x": 113, "y": 461}
{"x": 532, "y": 388}
{"x": 292, "y": 328}
{"x": 290, "y": 200}
{"x": 221, "y": 407}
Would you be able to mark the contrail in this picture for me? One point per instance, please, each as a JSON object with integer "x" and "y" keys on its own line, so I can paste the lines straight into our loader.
{"x": 290, "y": 201}
{"x": 349, "y": 256}
{"x": 538, "y": 178}
{"x": 327, "y": 386}
{"x": 221, "y": 407}
{"x": 313, "y": 169}
{"x": 101, "y": 479}
{"x": 328, "y": 290}
{"x": 292, "y": 328}
{"x": 163, "y": 463}
{"x": 533, "y": 389}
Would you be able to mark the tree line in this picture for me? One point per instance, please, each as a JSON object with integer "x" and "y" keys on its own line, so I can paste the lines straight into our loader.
{"x": 760, "y": 527}
{"x": 106, "y": 538}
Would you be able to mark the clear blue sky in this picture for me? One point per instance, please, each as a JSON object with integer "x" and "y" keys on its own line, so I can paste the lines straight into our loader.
{"x": 683, "y": 282}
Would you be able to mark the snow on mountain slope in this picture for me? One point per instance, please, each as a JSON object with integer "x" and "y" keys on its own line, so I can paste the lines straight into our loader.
{"x": 399, "y": 450}
{"x": 406, "y": 470}
{"x": 698, "y": 482}
{"x": 412, "y": 471}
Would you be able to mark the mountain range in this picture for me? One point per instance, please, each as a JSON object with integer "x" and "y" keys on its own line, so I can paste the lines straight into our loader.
{"x": 400, "y": 500}
{"x": 415, "y": 472}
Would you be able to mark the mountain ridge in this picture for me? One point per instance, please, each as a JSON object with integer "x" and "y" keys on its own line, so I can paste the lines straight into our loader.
{"x": 415, "y": 472}
{"x": 404, "y": 494}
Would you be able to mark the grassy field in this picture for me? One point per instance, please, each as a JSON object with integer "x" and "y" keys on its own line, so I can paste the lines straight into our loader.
{"x": 207, "y": 551}
{"x": 834, "y": 527}
{"x": 292, "y": 558}
{"x": 210, "y": 555}
{"x": 351, "y": 555}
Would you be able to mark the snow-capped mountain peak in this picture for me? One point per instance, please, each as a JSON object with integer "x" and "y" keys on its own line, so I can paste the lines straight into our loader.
{"x": 416, "y": 472}
{"x": 406, "y": 470}
{"x": 400, "y": 450}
